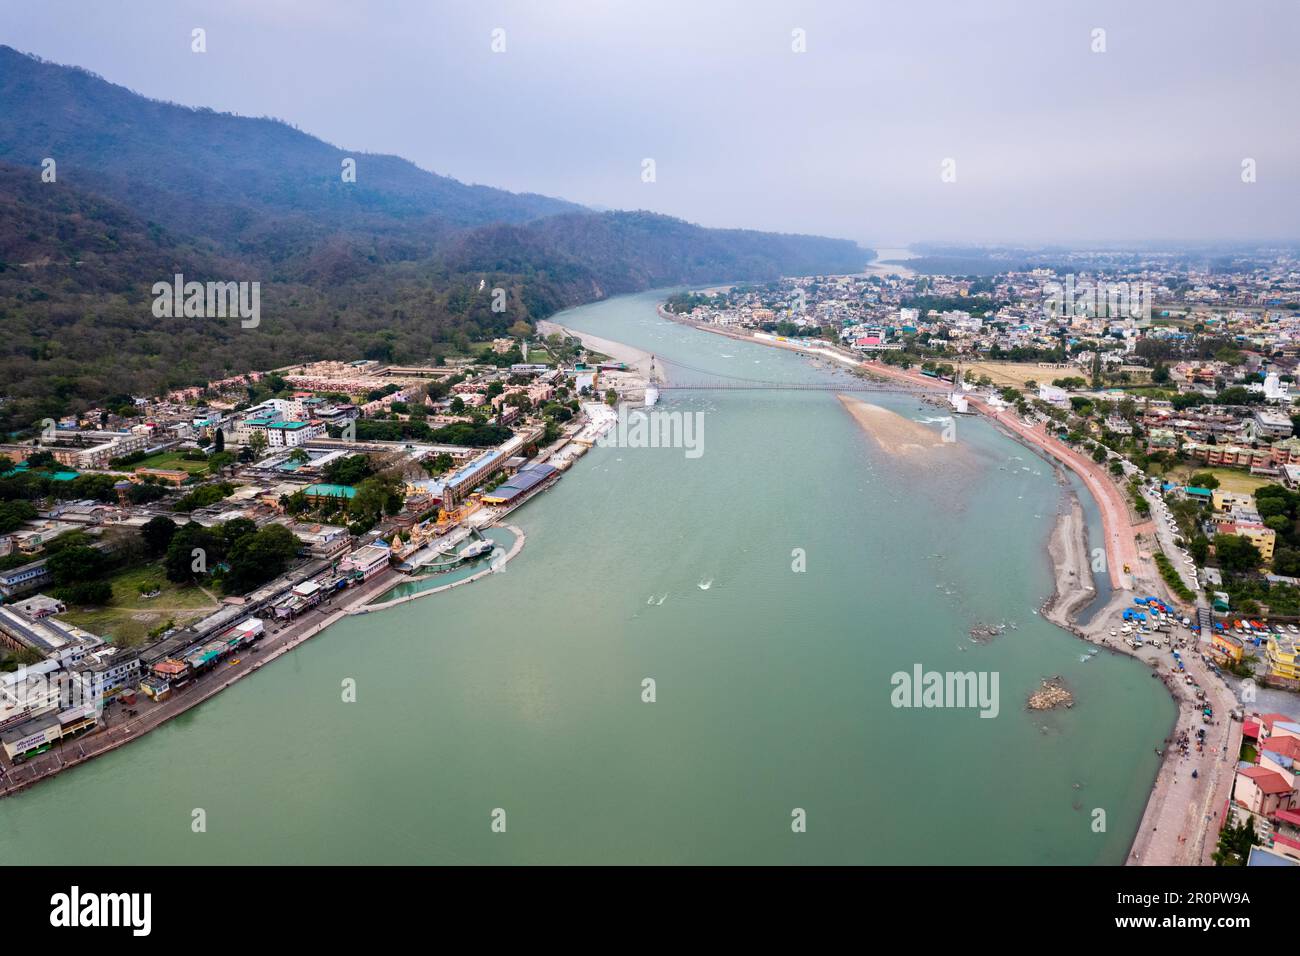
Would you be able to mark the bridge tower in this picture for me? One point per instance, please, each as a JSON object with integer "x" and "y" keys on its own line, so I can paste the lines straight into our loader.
{"x": 652, "y": 385}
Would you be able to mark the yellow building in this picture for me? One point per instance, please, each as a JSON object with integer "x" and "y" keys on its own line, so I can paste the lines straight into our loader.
{"x": 1227, "y": 645}
{"x": 1282, "y": 657}
{"x": 1228, "y": 500}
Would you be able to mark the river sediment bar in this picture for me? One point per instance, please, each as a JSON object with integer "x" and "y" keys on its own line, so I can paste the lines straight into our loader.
{"x": 894, "y": 433}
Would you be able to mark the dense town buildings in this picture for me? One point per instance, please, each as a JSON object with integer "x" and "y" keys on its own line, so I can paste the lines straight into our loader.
{"x": 372, "y": 469}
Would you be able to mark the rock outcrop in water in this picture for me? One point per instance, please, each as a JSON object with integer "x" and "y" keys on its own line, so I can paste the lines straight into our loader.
{"x": 1050, "y": 695}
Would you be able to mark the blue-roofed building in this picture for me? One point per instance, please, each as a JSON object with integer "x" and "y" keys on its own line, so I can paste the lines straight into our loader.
{"x": 524, "y": 481}
{"x": 1260, "y": 856}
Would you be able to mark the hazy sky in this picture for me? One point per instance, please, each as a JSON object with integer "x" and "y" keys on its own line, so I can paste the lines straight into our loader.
{"x": 1051, "y": 141}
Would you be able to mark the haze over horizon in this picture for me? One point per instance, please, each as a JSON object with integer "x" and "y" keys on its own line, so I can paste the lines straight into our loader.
{"x": 1052, "y": 142}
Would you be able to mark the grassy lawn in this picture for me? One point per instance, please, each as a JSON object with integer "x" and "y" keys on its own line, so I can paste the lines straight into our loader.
{"x": 1230, "y": 479}
{"x": 130, "y": 618}
{"x": 172, "y": 461}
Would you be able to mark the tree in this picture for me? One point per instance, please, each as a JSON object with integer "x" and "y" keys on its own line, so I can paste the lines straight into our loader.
{"x": 1269, "y": 507}
{"x": 181, "y": 563}
{"x": 143, "y": 492}
{"x": 220, "y": 440}
{"x": 87, "y": 592}
{"x": 1203, "y": 479}
{"x": 220, "y": 461}
{"x": 236, "y": 528}
{"x": 1238, "y": 395}
{"x": 14, "y": 513}
{"x": 375, "y": 497}
{"x": 77, "y": 564}
{"x": 1286, "y": 561}
{"x": 1235, "y": 841}
{"x": 258, "y": 557}
{"x": 157, "y": 534}
{"x": 348, "y": 471}
{"x": 437, "y": 464}
{"x": 1236, "y": 553}
{"x": 257, "y": 442}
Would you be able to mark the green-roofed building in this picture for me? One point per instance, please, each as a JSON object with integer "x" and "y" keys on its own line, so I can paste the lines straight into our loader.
{"x": 329, "y": 491}
{"x": 22, "y": 468}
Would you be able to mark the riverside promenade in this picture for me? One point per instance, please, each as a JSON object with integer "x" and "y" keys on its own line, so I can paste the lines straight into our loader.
{"x": 117, "y": 728}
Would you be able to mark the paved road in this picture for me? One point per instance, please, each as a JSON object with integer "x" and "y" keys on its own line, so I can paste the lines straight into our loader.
{"x": 1181, "y": 824}
{"x": 1121, "y": 541}
{"x": 1166, "y": 531}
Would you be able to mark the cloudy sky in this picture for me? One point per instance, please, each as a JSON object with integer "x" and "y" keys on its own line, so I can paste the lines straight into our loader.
{"x": 1051, "y": 140}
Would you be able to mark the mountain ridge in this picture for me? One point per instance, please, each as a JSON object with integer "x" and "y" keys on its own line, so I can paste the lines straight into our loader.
{"x": 390, "y": 266}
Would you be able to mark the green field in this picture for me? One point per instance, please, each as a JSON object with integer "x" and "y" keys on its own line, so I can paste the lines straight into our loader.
{"x": 129, "y": 619}
{"x": 1230, "y": 479}
{"x": 171, "y": 461}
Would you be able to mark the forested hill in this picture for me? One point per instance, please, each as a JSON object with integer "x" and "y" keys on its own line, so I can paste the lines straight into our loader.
{"x": 387, "y": 267}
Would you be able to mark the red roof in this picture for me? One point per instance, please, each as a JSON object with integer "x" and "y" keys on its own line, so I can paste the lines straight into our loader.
{"x": 1286, "y": 841}
{"x": 1289, "y": 816}
{"x": 1286, "y": 746}
{"x": 1268, "y": 781}
{"x": 1268, "y": 720}
{"x": 1250, "y": 729}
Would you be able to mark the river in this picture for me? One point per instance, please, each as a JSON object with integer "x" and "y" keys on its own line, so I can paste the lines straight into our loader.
{"x": 523, "y": 691}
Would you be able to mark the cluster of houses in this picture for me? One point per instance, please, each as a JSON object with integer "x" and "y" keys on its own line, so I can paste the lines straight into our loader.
{"x": 1267, "y": 789}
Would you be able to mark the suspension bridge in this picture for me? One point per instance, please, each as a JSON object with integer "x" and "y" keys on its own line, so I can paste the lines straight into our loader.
{"x": 714, "y": 381}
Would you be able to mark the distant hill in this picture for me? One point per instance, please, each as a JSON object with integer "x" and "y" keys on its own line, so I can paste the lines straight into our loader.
{"x": 245, "y": 182}
{"x": 387, "y": 267}
{"x": 630, "y": 251}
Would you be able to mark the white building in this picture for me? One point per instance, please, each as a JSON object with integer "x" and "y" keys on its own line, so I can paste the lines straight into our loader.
{"x": 292, "y": 434}
{"x": 1276, "y": 390}
{"x": 1054, "y": 396}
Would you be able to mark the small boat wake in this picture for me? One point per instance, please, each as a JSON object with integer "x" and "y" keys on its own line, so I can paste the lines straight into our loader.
{"x": 705, "y": 584}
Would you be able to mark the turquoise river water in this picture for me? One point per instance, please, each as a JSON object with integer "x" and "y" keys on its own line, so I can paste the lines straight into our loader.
{"x": 523, "y": 691}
